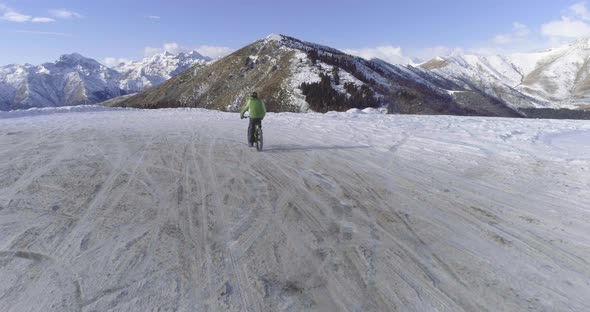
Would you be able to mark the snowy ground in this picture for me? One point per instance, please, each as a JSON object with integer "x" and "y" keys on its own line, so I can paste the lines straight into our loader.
{"x": 169, "y": 210}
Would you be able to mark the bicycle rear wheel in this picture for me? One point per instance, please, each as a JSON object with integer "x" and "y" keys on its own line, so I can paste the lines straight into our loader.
{"x": 259, "y": 140}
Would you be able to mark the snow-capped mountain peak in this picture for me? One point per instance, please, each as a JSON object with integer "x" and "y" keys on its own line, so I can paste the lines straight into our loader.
{"x": 75, "y": 62}
{"x": 274, "y": 37}
{"x": 196, "y": 55}
{"x": 152, "y": 71}
{"x": 75, "y": 58}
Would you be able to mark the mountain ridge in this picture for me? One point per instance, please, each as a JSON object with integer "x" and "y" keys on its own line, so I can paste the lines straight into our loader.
{"x": 74, "y": 79}
{"x": 295, "y": 75}
{"x": 557, "y": 78}
{"x": 298, "y": 76}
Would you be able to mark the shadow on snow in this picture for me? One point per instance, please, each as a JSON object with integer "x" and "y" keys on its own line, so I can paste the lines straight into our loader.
{"x": 303, "y": 148}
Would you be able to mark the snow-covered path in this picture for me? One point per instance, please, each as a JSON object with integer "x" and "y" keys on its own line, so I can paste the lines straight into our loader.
{"x": 170, "y": 210}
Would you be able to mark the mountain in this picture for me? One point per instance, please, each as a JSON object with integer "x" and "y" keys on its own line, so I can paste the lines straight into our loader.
{"x": 71, "y": 80}
{"x": 75, "y": 79}
{"x": 552, "y": 79}
{"x": 293, "y": 75}
{"x": 152, "y": 71}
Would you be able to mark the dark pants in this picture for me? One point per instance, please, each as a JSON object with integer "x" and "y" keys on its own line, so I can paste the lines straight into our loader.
{"x": 252, "y": 127}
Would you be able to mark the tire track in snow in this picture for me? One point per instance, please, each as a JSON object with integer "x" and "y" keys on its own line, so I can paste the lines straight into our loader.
{"x": 85, "y": 222}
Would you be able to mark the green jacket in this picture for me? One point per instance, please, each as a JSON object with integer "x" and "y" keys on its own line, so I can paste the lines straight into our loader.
{"x": 255, "y": 106}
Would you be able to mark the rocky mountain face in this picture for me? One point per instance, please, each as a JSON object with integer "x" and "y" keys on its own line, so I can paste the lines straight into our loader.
{"x": 75, "y": 80}
{"x": 293, "y": 75}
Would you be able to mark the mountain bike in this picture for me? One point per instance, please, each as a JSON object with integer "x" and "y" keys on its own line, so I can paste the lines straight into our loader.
{"x": 258, "y": 138}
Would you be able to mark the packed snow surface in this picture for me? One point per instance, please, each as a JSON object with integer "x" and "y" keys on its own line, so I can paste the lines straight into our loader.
{"x": 170, "y": 210}
{"x": 57, "y": 110}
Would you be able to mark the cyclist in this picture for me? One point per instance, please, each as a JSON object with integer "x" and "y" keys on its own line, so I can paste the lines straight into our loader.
{"x": 257, "y": 111}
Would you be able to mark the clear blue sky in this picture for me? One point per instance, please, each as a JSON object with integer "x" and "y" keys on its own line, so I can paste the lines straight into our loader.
{"x": 31, "y": 31}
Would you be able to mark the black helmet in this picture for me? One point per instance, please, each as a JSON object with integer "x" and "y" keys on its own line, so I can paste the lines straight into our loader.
{"x": 254, "y": 94}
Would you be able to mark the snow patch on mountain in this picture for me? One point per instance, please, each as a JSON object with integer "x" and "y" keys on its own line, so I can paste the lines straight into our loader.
{"x": 303, "y": 71}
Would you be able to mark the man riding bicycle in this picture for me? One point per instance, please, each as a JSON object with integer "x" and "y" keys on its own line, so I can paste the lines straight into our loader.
{"x": 257, "y": 111}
